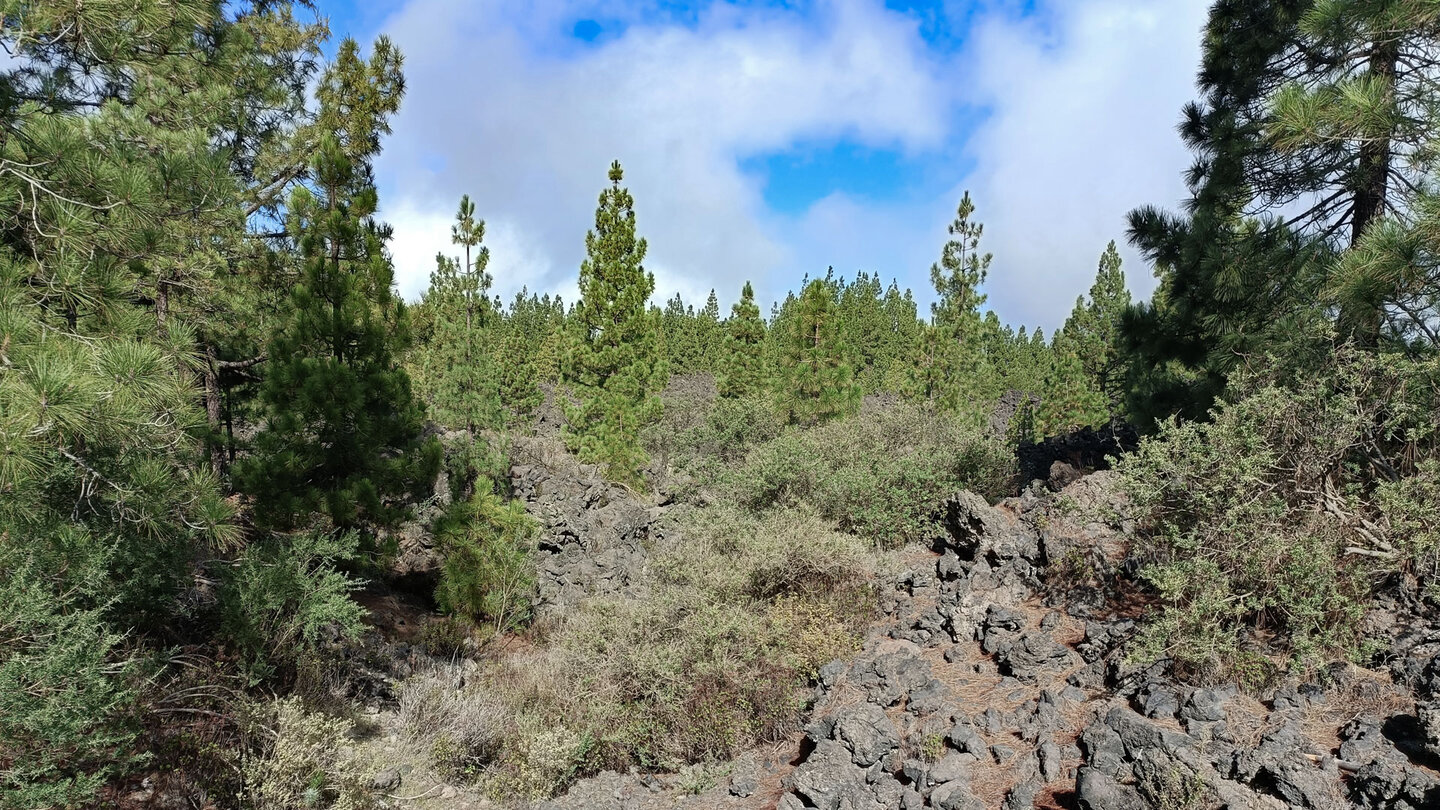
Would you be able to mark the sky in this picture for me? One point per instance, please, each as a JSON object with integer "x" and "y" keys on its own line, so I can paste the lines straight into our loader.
{"x": 764, "y": 141}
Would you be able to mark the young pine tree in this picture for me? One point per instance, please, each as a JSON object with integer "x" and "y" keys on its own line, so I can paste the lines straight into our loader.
{"x": 709, "y": 337}
{"x": 460, "y": 371}
{"x": 957, "y": 277}
{"x": 744, "y": 369}
{"x": 1092, "y": 333}
{"x": 1067, "y": 400}
{"x": 613, "y": 365}
{"x": 342, "y": 431}
{"x": 817, "y": 382}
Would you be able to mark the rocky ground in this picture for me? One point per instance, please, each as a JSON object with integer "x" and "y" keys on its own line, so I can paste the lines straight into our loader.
{"x": 998, "y": 680}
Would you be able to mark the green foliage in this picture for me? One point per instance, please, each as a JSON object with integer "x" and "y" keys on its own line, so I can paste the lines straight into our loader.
{"x": 1394, "y": 269}
{"x": 342, "y": 431}
{"x": 282, "y": 596}
{"x": 487, "y": 571}
{"x": 739, "y": 619}
{"x": 1091, "y": 334}
{"x": 613, "y": 365}
{"x": 959, "y": 375}
{"x": 879, "y": 475}
{"x": 460, "y": 374}
{"x": 1314, "y": 126}
{"x": 1408, "y": 506}
{"x": 1069, "y": 399}
{"x": 743, "y": 371}
{"x": 65, "y": 696}
{"x": 1262, "y": 520}
{"x": 816, "y": 381}
{"x": 732, "y": 427}
{"x": 133, "y": 137}
{"x": 535, "y": 330}
{"x": 741, "y": 612}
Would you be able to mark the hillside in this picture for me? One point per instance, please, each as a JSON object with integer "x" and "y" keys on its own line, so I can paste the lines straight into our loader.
{"x": 274, "y": 537}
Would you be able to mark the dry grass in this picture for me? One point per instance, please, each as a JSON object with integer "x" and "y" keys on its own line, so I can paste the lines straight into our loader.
{"x": 1245, "y": 718}
{"x": 740, "y": 612}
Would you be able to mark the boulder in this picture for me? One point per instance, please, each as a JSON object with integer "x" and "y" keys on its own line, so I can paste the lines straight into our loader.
{"x": 828, "y": 777}
{"x": 867, "y": 732}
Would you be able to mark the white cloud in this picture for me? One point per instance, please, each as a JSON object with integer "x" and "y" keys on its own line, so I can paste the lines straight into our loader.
{"x": 530, "y": 134}
{"x": 1082, "y": 103}
{"x": 1082, "y": 131}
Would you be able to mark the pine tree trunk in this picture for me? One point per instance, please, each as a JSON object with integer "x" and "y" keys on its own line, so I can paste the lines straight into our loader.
{"x": 213, "y": 411}
{"x": 162, "y": 308}
{"x": 1372, "y": 185}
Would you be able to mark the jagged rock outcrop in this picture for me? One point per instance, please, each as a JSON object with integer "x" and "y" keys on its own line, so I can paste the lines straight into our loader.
{"x": 593, "y": 532}
{"x": 1084, "y": 449}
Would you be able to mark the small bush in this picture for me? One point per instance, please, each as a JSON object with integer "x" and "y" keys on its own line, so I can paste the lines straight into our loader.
{"x": 474, "y": 463}
{"x": 283, "y": 593}
{"x": 487, "y": 573}
{"x": 447, "y": 636}
{"x": 65, "y": 698}
{"x": 299, "y": 763}
{"x": 463, "y": 730}
{"x": 741, "y": 611}
{"x": 1276, "y": 520}
{"x": 702, "y": 436}
{"x": 879, "y": 475}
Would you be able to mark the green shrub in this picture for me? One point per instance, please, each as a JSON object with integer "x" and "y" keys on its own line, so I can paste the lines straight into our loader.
{"x": 446, "y": 636}
{"x": 879, "y": 475}
{"x": 1410, "y": 507}
{"x": 487, "y": 572}
{"x": 65, "y": 699}
{"x": 475, "y": 463}
{"x": 740, "y": 612}
{"x": 283, "y": 592}
{"x": 702, "y": 435}
{"x": 1271, "y": 522}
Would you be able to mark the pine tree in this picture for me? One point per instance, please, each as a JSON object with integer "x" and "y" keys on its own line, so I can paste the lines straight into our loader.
{"x": 126, "y": 133}
{"x": 1305, "y": 138}
{"x": 536, "y": 325}
{"x": 460, "y": 377}
{"x": 342, "y": 431}
{"x": 864, "y": 327}
{"x": 817, "y": 382}
{"x": 709, "y": 336}
{"x": 957, "y": 278}
{"x": 1365, "y": 116}
{"x": 1068, "y": 399}
{"x": 744, "y": 368}
{"x": 613, "y": 364}
{"x": 901, "y": 340}
{"x": 681, "y": 328}
{"x": 933, "y": 372}
{"x": 1091, "y": 332}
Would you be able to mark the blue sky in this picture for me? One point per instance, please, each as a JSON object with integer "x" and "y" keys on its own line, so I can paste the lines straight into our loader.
{"x": 765, "y": 140}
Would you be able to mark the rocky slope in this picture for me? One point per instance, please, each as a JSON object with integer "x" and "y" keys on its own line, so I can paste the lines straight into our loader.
{"x": 998, "y": 680}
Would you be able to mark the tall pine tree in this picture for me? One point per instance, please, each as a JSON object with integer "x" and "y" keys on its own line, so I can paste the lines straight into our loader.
{"x": 1091, "y": 333}
{"x": 342, "y": 431}
{"x": 1307, "y": 134}
{"x": 956, "y": 353}
{"x": 459, "y": 371}
{"x": 817, "y": 380}
{"x": 613, "y": 365}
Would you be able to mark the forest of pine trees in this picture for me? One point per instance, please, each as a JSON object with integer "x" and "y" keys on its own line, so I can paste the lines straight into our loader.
{"x": 216, "y": 409}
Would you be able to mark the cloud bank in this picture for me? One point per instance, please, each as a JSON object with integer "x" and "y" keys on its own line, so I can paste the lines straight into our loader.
{"x": 1059, "y": 120}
